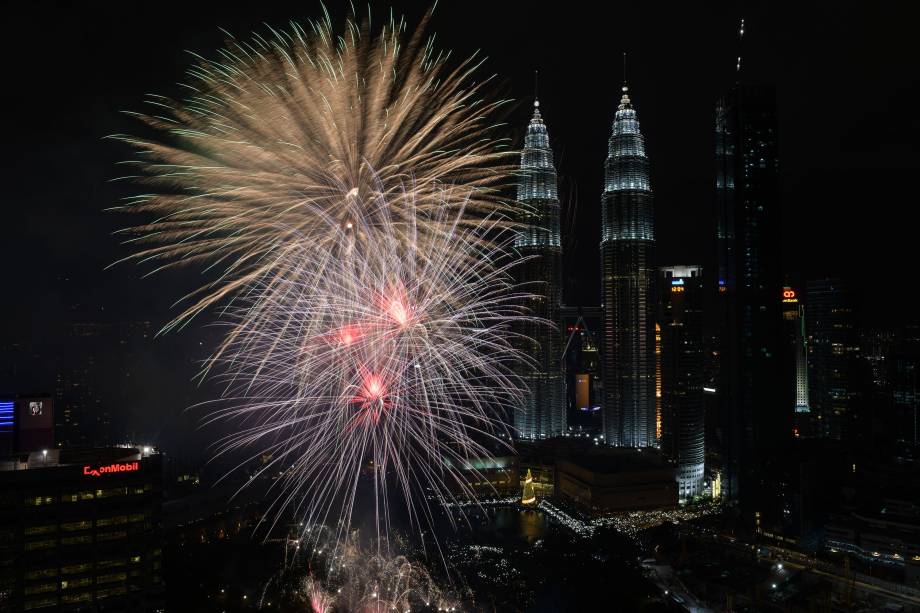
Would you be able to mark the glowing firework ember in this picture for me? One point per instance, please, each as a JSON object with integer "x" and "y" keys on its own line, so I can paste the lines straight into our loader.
{"x": 352, "y": 579}
{"x": 411, "y": 388}
{"x": 344, "y": 189}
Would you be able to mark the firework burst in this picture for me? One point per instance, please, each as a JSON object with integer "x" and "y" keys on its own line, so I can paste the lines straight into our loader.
{"x": 285, "y": 140}
{"x": 396, "y": 364}
{"x": 343, "y": 191}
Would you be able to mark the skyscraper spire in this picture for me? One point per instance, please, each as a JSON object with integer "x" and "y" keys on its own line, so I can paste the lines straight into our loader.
{"x": 536, "y": 87}
{"x": 537, "y": 189}
{"x": 625, "y": 86}
{"x": 542, "y": 414}
{"x": 740, "y": 40}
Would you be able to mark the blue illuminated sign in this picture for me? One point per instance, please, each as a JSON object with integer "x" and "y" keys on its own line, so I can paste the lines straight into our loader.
{"x": 7, "y": 408}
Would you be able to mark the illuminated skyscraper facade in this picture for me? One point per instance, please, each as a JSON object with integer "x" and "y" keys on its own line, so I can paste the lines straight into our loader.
{"x": 797, "y": 359}
{"x": 628, "y": 287}
{"x": 543, "y": 412}
{"x": 794, "y": 315}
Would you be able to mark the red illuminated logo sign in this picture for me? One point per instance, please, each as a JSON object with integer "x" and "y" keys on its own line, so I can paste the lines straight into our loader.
{"x": 117, "y": 467}
{"x": 789, "y": 295}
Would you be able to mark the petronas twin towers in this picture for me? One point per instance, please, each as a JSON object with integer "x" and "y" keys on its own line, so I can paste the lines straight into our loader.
{"x": 628, "y": 283}
{"x": 628, "y": 286}
{"x": 543, "y": 412}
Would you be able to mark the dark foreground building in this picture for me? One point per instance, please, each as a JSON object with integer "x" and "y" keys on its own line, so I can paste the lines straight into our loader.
{"x": 543, "y": 412}
{"x": 755, "y": 423}
{"x": 80, "y": 530}
{"x": 628, "y": 287}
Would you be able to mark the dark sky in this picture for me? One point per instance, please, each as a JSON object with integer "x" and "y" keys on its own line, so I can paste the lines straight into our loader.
{"x": 848, "y": 87}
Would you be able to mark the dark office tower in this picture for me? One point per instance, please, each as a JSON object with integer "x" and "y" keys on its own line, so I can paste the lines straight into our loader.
{"x": 628, "y": 286}
{"x": 682, "y": 417}
{"x": 875, "y": 346}
{"x": 81, "y": 530}
{"x": 903, "y": 383}
{"x": 80, "y": 419}
{"x": 833, "y": 343}
{"x": 543, "y": 412}
{"x": 754, "y": 425}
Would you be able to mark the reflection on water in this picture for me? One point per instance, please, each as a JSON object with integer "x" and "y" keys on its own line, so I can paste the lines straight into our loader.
{"x": 506, "y": 526}
{"x": 516, "y": 558}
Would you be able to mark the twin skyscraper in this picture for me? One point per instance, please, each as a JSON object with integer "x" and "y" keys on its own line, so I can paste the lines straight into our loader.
{"x": 628, "y": 287}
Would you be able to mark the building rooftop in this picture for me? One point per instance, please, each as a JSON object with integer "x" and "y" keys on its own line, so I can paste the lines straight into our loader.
{"x": 50, "y": 458}
{"x": 619, "y": 460}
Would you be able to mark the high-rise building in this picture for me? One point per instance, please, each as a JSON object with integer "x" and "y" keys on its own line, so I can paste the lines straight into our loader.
{"x": 96, "y": 381}
{"x": 81, "y": 419}
{"x": 753, "y": 425}
{"x": 680, "y": 320}
{"x": 797, "y": 338}
{"x": 81, "y": 530}
{"x": 833, "y": 347}
{"x": 543, "y": 412}
{"x": 903, "y": 384}
{"x": 628, "y": 287}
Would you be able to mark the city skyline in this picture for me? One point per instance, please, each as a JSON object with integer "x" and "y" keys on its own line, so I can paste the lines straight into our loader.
{"x": 615, "y": 305}
{"x": 677, "y": 108}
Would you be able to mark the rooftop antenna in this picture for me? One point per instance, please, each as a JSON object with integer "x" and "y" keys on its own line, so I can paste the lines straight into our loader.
{"x": 624, "y": 72}
{"x": 740, "y": 38}
{"x": 536, "y": 85}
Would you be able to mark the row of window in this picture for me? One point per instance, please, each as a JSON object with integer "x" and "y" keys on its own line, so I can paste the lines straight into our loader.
{"x": 75, "y": 540}
{"x": 76, "y": 598}
{"x": 85, "y": 524}
{"x": 75, "y": 569}
{"x": 37, "y": 501}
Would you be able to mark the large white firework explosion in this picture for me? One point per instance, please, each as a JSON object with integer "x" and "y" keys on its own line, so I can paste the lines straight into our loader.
{"x": 343, "y": 193}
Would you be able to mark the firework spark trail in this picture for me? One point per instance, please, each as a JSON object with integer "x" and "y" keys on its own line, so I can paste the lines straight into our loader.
{"x": 344, "y": 194}
{"x": 403, "y": 358}
{"x": 285, "y": 140}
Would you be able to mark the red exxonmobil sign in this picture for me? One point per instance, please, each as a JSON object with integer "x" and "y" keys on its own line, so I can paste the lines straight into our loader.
{"x": 117, "y": 467}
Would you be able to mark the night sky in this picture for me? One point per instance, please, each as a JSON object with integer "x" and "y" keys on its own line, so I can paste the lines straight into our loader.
{"x": 848, "y": 87}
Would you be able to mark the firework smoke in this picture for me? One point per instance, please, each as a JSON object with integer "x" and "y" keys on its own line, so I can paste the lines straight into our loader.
{"x": 352, "y": 579}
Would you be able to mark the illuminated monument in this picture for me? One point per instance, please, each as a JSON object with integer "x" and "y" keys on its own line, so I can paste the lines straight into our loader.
{"x": 543, "y": 412}
{"x": 528, "y": 496}
{"x": 628, "y": 286}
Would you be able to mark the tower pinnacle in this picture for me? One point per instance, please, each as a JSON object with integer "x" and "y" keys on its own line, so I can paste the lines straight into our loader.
{"x": 536, "y": 87}
{"x": 624, "y": 72}
{"x": 624, "y": 100}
